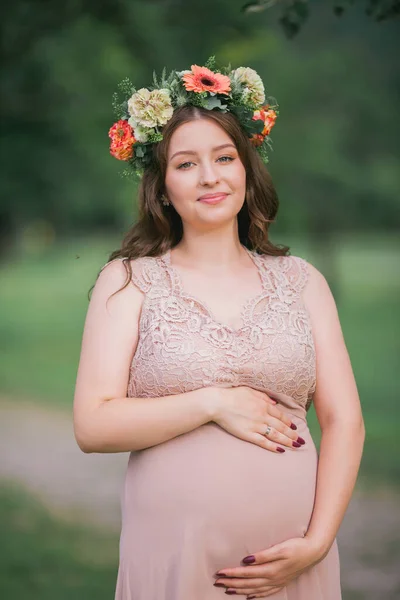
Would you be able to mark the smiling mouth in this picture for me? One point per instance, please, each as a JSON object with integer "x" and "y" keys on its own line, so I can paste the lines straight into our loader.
{"x": 212, "y": 199}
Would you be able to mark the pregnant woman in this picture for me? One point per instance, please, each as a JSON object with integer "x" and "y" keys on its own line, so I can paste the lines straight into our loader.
{"x": 204, "y": 346}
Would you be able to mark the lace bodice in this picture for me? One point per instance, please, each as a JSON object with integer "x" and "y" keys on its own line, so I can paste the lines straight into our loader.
{"x": 182, "y": 347}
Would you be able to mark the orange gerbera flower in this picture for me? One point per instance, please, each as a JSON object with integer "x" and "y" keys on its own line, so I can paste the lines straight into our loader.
{"x": 202, "y": 79}
{"x": 122, "y": 140}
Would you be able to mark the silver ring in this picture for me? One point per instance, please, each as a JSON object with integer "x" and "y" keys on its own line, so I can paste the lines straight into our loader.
{"x": 269, "y": 429}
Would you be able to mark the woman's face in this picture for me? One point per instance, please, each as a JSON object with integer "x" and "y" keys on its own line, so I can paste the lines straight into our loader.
{"x": 203, "y": 161}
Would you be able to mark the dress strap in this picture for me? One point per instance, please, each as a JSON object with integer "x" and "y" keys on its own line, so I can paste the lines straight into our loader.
{"x": 298, "y": 274}
{"x": 285, "y": 277}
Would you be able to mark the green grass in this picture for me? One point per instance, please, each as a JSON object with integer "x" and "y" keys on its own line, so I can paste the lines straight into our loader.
{"x": 43, "y": 558}
{"x": 368, "y": 304}
{"x": 43, "y": 301}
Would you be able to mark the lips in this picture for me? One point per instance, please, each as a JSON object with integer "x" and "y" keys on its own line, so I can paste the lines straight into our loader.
{"x": 215, "y": 195}
{"x": 212, "y": 198}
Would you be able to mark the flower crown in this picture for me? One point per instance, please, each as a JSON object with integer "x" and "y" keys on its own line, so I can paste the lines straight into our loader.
{"x": 143, "y": 113}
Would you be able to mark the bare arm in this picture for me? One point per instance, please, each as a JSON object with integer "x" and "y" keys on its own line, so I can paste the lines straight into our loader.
{"x": 339, "y": 414}
{"x": 105, "y": 420}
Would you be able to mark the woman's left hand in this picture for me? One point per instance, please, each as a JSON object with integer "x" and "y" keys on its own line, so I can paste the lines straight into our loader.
{"x": 272, "y": 568}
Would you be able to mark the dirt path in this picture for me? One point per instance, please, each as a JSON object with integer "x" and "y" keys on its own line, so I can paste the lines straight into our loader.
{"x": 38, "y": 450}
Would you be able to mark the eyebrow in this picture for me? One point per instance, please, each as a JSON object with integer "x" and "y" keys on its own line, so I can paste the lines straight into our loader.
{"x": 213, "y": 149}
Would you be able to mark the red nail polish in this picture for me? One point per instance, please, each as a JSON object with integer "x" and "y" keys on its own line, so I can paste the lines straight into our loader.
{"x": 279, "y": 449}
{"x": 230, "y": 592}
{"x": 292, "y": 426}
{"x": 219, "y": 585}
{"x": 296, "y": 445}
{"x": 300, "y": 440}
{"x": 249, "y": 559}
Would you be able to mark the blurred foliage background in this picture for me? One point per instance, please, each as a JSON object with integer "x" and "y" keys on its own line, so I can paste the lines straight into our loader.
{"x": 64, "y": 207}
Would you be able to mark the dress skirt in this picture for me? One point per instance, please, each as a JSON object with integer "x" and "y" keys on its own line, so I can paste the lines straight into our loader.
{"x": 206, "y": 499}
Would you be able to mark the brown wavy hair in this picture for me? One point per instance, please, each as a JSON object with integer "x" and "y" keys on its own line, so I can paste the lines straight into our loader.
{"x": 159, "y": 228}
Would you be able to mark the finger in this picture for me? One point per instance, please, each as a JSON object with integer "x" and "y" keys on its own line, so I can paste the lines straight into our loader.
{"x": 260, "y": 571}
{"x": 266, "y": 397}
{"x": 281, "y": 427}
{"x": 280, "y": 438}
{"x": 271, "y": 400}
{"x": 261, "y": 440}
{"x": 245, "y": 584}
{"x": 278, "y": 414}
{"x": 255, "y": 565}
{"x": 273, "y": 553}
{"x": 264, "y": 593}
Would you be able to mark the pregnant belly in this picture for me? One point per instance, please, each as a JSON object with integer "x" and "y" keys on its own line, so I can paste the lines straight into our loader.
{"x": 207, "y": 480}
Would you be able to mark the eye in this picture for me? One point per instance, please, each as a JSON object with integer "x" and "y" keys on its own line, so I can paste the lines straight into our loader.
{"x": 184, "y": 165}
{"x": 229, "y": 158}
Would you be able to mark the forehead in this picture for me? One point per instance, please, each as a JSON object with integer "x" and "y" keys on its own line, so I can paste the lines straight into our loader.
{"x": 198, "y": 135}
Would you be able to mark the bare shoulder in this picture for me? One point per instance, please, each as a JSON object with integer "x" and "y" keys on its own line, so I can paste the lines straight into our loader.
{"x": 115, "y": 288}
{"x": 314, "y": 277}
{"x": 113, "y": 273}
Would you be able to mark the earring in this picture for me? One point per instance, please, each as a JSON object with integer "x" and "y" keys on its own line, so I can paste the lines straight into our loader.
{"x": 165, "y": 200}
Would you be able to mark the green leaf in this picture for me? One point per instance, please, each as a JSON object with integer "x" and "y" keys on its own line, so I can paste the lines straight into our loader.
{"x": 211, "y": 63}
{"x": 139, "y": 151}
{"x": 155, "y": 81}
{"x": 126, "y": 87}
{"x": 243, "y": 113}
{"x": 226, "y": 70}
{"x": 272, "y": 103}
{"x": 213, "y": 102}
{"x": 197, "y": 99}
{"x": 254, "y": 126}
{"x": 155, "y": 137}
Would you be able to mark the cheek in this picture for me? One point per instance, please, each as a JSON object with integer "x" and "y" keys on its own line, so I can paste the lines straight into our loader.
{"x": 238, "y": 177}
{"x": 177, "y": 185}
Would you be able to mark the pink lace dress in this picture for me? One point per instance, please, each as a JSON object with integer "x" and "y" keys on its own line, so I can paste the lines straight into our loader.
{"x": 204, "y": 500}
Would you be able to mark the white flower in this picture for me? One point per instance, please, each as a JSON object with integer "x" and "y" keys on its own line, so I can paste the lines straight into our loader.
{"x": 246, "y": 94}
{"x": 252, "y": 83}
{"x": 140, "y": 133}
{"x": 150, "y": 108}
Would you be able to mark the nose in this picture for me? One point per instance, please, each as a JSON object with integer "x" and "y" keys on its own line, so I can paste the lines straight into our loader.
{"x": 209, "y": 174}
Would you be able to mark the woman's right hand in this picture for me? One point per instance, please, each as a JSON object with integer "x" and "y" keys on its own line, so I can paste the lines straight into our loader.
{"x": 246, "y": 413}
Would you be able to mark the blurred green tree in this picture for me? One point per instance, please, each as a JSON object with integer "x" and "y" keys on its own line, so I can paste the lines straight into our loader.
{"x": 296, "y": 12}
{"x": 335, "y": 164}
